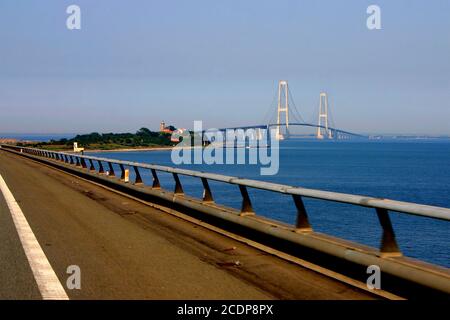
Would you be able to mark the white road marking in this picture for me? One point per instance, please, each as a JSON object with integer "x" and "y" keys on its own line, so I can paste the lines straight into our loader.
{"x": 46, "y": 279}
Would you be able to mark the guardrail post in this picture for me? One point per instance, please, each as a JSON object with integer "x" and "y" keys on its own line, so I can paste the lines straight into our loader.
{"x": 83, "y": 163}
{"x": 389, "y": 246}
{"x": 246, "y": 208}
{"x": 78, "y": 162}
{"x": 302, "y": 224}
{"x": 156, "y": 184}
{"x": 207, "y": 195}
{"x": 100, "y": 167}
{"x": 91, "y": 167}
{"x": 138, "y": 179}
{"x": 111, "y": 169}
{"x": 178, "y": 187}
{"x": 71, "y": 160}
{"x": 122, "y": 174}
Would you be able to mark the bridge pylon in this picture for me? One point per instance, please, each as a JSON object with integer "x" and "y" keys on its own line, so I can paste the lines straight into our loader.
{"x": 323, "y": 127}
{"x": 283, "y": 106}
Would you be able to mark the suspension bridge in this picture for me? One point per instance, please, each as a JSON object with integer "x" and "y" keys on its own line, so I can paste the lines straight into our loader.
{"x": 287, "y": 116}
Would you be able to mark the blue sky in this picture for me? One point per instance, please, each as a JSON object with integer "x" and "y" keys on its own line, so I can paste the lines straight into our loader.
{"x": 135, "y": 63}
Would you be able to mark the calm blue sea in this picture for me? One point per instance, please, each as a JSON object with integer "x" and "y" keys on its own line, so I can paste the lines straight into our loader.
{"x": 415, "y": 171}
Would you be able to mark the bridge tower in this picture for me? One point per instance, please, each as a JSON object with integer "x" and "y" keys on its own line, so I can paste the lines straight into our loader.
{"x": 283, "y": 106}
{"x": 323, "y": 130}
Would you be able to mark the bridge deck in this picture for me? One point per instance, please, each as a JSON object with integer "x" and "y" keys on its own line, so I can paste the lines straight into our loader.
{"x": 126, "y": 249}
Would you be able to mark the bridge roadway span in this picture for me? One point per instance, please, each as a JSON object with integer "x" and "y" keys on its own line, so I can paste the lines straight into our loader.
{"x": 129, "y": 250}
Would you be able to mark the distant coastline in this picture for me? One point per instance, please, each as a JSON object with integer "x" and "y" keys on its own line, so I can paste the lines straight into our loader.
{"x": 136, "y": 149}
{"x": 142, "y": 140}
{"x": 35, "y": 137}
{"x": 145, "y": 140}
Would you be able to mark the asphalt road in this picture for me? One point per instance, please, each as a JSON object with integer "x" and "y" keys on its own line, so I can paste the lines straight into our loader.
{"x": 128, "y": 250}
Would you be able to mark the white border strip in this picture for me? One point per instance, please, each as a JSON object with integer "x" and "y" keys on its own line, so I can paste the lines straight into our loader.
{"x": 46, "y": 279}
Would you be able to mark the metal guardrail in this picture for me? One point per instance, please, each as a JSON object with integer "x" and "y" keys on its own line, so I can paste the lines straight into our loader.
{"x": 382, "y": 207}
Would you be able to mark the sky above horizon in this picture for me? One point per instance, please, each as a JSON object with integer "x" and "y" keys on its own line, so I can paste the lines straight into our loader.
{"x": 135, "y": 63}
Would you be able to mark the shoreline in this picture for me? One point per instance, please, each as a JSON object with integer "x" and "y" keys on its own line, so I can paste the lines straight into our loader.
{"x": 168, "y": 148}
{"x": 129, "y": 149}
